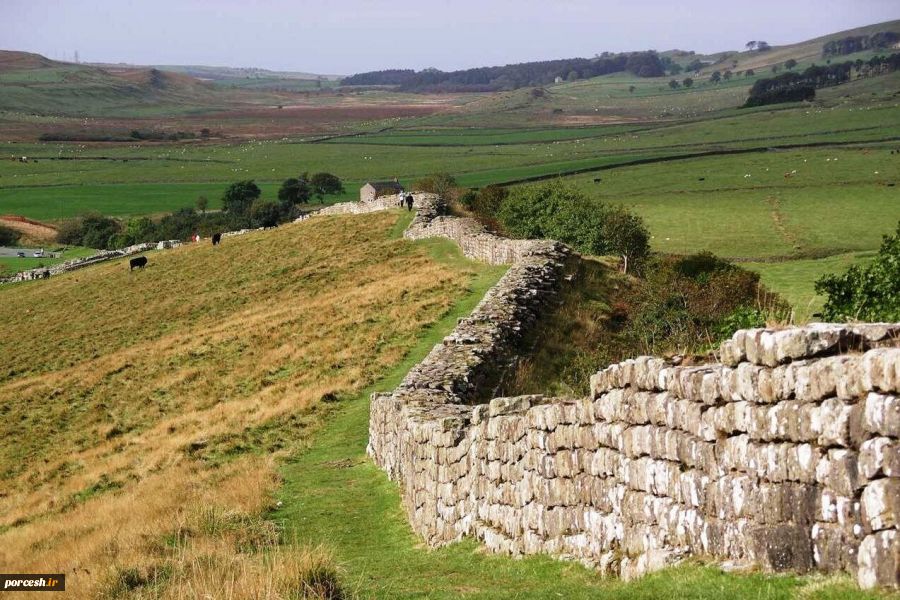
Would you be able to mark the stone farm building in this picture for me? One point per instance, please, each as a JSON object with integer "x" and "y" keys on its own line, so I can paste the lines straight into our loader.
{"x": 374, "y": 189}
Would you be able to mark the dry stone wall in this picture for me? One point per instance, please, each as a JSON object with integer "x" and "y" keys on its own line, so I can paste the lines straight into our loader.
{"x": 103, "y": 256}
{"x": 784, "y": 454}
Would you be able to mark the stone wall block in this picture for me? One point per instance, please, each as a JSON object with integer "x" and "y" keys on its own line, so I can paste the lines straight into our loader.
{"x": 879, "y": 560}
{"x": 882, "y": 414}
{"x": 881, "y": 504}
{"x": 879, "y": 457}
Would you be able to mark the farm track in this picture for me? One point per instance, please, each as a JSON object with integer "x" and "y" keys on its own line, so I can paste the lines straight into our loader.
{"x": 780, "y": 226}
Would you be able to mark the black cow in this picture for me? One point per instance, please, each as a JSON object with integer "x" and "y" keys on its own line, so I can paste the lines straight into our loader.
{"x": 140, "y": 262}
{"x": 597, "y": 180}
{"x": 216, "y": 239}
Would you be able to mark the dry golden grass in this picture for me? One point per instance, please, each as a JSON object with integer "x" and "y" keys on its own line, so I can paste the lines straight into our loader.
{"x": 131, "y": 401}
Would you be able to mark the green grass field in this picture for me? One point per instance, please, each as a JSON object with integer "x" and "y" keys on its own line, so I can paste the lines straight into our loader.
{"x": 128, "y": 199}
{"x": 14, "y": 264}
{"x": 743, "y": 206}
{"x": 840, "y": 200}
{"x": 794, "y": 279}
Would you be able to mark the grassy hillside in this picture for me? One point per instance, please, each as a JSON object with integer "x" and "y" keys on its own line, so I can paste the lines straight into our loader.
{"x": 143, "y": 411}
{"x": 37, "y": 85}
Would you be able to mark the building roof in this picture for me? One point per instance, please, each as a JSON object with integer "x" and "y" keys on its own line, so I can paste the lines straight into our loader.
{"x": 385, "y": 185}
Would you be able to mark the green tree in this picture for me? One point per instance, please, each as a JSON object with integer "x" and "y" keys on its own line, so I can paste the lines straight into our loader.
{"x": 239, "y": 197}
{"x": 716, "y": 77}
{"x": 789, "y": 64}
{"x": 695, "y": 65}
{"x": 749, "y": 73}
{"x": 202, "y": 203}
{"x": 442, "y": 184}
{"x": 675, "y": 69}
{"x": 688, "y": 82}
{"x": 69, "y": 232}
{"x": 140, "y": 230}
{"x": 870, "y": 293}
{"x": 674, "y": 84}
{"x": 322, "y": 184}
{"x": 557, "y": 211}
{"x": 489, "y": 199}
{"x": 264, "y": 213}
{"x": 626, "y": 235}
{"x": 727, "y": 75}
{"x": 293, "y": 191}
{"x": 98, "y": 231}
{"x": 8, "y": 236}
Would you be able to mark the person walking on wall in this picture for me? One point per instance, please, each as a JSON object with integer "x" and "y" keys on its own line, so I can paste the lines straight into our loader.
{"x": 409, "y": 202}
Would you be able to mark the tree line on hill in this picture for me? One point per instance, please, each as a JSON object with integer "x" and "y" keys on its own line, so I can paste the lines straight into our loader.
{"x": 859, "y": 43}
{"x": 242, "y": 207}
{"x": 514, "y": 76}
{"x": 795, "y": 87}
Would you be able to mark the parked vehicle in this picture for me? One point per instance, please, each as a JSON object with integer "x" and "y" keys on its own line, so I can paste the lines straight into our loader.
{"x": 20, "y": 254}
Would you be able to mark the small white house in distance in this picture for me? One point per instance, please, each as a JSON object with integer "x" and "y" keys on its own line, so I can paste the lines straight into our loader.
{"x": 374, "y": 189}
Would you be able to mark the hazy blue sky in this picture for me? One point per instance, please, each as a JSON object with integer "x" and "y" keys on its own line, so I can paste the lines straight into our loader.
{"x": 348, "y": 36}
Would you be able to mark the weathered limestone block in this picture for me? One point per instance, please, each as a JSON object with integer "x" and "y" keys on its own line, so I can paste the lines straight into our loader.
{"x": 881, "y": 504}
{"x": 834, "y": 548}
{"x": 838, "y": 471}
{"x": 881, "y": 370}
{"x": 879, "y": 560}
{"x": 882, "y": 414}
{"x": 832, "y": 420}
{"x": 879, "y": 457}
{"x": 782, "y": 547}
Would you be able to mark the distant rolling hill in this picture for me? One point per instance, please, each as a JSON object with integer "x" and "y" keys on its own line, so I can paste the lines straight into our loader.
{"x": 218, "y": 73}
{"x": 33, "y": 84}
{"x": 804, "y": 53}
{"x": 542, "y": 73}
